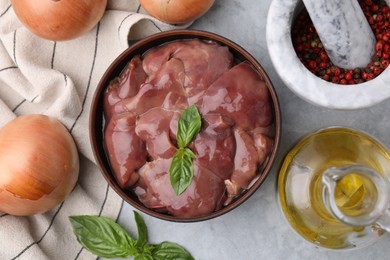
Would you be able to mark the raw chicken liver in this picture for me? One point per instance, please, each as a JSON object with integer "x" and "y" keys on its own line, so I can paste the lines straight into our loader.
{"x": 142, "y": 109}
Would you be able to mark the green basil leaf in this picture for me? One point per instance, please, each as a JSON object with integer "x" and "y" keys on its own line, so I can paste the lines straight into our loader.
{"x": 188, "y": 126}
{"x": 181, "y": 170}
{"x": 142, "y": 230}
{"x": 102, "y": 236}
{"x": 170, "y": 251}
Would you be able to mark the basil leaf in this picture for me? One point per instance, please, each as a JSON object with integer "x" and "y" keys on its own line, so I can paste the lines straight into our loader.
{"x": 181, "y": 170}
{"x": 170, "y": 251}
{"x": 142, "y": 230}
{"x": 188, "y": 126}
{"x": 102, "y": 236}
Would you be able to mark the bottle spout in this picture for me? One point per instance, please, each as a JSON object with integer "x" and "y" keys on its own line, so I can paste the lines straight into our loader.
{"x": 384, "y": 221}
{"x": 357, "y": 195}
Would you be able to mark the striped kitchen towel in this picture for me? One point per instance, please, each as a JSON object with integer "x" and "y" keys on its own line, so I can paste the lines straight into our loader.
{"x": 58, "y": 79}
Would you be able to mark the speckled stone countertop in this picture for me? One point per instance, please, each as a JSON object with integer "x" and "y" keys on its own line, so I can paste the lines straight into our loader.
{"x": 257, "y": 229}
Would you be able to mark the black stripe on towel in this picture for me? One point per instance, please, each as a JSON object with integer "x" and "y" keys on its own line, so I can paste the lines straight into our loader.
{"x": 22, "y": 102}
{"x": 124, "y": 19}
{"x": 53, "y": 55}
{"x": 18, "y": 105}
{"x": 14, "y": 47}
{"x": 44, "y": 234}
{"x": 100, "y": 213}
{"x": 90, "y": 78}
{"x": 6, "y": 10}
{"x": 8, "y": 68}
{"x": 104, "y": 201}
{"x": 155, "y": 25}
{"x": 66, "y": 79}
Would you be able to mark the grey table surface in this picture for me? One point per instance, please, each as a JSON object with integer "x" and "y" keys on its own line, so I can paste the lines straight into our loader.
{"x": 257, "y": 229}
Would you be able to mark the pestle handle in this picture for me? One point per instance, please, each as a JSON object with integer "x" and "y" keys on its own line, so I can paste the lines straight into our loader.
{"x": 344, "y": 31}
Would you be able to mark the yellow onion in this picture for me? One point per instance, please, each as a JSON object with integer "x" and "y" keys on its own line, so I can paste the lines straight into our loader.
{"x": 59, "y": 19}
{"x": 39, "y": 165}
{"x": 176, "y": 11}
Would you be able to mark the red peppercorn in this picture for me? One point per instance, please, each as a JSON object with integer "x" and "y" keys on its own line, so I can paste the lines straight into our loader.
{"x": 370, "y": 76}
{"x": 385, "y": 9}
{"x": 336, "y": 71}
{"x": 343, "y": 81}
{"x": 324, "y": 56}
{"x": 348, "y": 76}
{"x": 386, "y": 48}
{"x": 323, "y": 64}
{"x": 377, "y": 71}
{"x": 379, "y": 45}
{"x": 335, "y": 79}
{"x": 384, "y": 64}
{"x": 312, "y": 64}
{"x": 387, "y": 33}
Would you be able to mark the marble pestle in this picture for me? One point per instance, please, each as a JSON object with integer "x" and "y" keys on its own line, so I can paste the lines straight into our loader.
{"x": 343, "y": 30}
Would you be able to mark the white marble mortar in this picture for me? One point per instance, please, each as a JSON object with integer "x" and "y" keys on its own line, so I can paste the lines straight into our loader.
{"x": 305, "y": 84}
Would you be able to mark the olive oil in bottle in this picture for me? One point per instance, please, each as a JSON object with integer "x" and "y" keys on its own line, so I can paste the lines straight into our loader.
{"x": 300, "y": 186}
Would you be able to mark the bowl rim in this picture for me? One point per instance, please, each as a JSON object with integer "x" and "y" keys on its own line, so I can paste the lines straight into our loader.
{"x": 96, "y": 123}
{"x": 305, "y": 84}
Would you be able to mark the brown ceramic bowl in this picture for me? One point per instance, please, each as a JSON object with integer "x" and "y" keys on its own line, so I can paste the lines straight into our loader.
{"x": 97, "y": 119}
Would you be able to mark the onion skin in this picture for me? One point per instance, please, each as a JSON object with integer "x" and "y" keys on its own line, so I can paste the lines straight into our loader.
{"x": 39, "y": 165}
{"x": 176, "y": 11}
{"x": 59, "y": 19}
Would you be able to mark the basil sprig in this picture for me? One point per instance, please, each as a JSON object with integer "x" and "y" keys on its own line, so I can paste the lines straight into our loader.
{"x": 105, "y": 238}
{"x": 181, "y": 170}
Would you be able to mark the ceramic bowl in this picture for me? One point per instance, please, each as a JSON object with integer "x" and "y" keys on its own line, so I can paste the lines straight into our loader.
{"x": 301, "y": 81}
{"x": 97, "y": 118}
